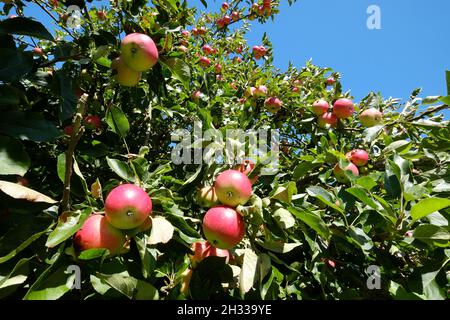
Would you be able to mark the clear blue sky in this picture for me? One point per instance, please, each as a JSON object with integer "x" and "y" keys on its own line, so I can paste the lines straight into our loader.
{"x": 411, "y": 50}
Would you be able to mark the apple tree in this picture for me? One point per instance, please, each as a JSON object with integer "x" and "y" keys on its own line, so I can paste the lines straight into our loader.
{"x": 119, "y": 178}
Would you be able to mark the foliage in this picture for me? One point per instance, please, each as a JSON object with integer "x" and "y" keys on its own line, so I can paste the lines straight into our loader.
{"x": 308, "y": 235}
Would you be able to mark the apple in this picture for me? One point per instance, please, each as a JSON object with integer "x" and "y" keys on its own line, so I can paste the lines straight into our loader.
{"x": 125, "y": 76}
{"x": 22, "y": 181}
{"x": 139, "y": 51}
{"x": 38, "y": 51}
{"x": 233, "y": 188}
{"x": 207, "y": 49}
{"x": 101, "y": 15}
{"x": 96, "y": 233}
{"x": 358, "y": 157}
{"x": 225, "y": 6}
{"x": 246, "y": 168}
{"x": 196, "y": 95}
{"x": 343, "y": 108}
{"x": 235, "y": 16}
{"x": 202, "y": 30}
{"x": 320, "y": 107}
{"x": 68, "y": 130}
{"x": 93, "y": 122}
{"x": 226, "y": 20}
{"x": 261, "y": 91}
{"x": 237, "y": 60}
{"x": 204, "y": 249}
{"x": 327, "y": 118}
{"x": 207, "y": 197}
{"x": 186, "y": 33}
{"x": 183, "y": 49}
{"x": 370, "y": 117}
{"x": 223, "y": 227}
{"x": 218, "y": 68}
{"x": 54, "y": 3}
{"x": 205, "y": 62}
{"x": 273, "y": 104}
{"x": 259, "y": 52}
{"x": 340, "y": 174}
{"x": 330, "y": 81}
{"x": 295, "y": 89}
{"x": 239, "y": 49}
{"x": 127, "y": 206}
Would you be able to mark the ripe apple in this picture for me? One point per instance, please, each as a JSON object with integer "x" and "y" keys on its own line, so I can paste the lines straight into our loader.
{"x": 237, "y": 60}
{"x": 235, "y": 16}
{"x": 370, "y": 117}
{"x": 320, "y": 107}
{"x": 261, "y": 91}
{"x": 259, "y": 52}
{"x": 205, "y": 62}
{"x": 233, "y": 188}
{"x": 97, "y": 233}
{"x": 183, "y": 49}
{"x": 101, "y": 15}
{"x": 68, "y": 130}
{"x": 139, "y": 51}
{"x": 339, "y": 173}
{"x": 207, "y": 197}
{"x": 218, "y": 68}
{"x": 93, "y": 122}
{"x": 358, "y": 157}
{"x": 202, "y": 30}
{"x": 204, "y": 249}
{"x": 223, "y": 227}
{"x": 186, "y": 33}
{"x": 125, "y": 76}
{"x": 295, "y": 89}
{"x": 127, "y": 206}
{"x": 38, "y": 51}
{"x": 343, "y": 108}
{"x": 207, "y": 49}
{"x": 246, "y": 168}
{"x": 330, "y": 81}
{"x": 196, "y": 95}
{"x": 226, "y": 20}
{"x": 273, "y": 104}
{"x": 327, "y": 118}
{"x": 225, "y": 6}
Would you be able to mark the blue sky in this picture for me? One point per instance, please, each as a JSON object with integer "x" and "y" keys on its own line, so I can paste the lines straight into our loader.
{"x": 411, "y": 50}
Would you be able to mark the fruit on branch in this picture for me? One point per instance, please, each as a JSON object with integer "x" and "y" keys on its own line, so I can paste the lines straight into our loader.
{"x": 125, "y": 76}
{"x": 207, "y": 197}
{"x": 205, "y": 62}
{"x": 320, "y": 107}
{"x": 261, "y": 91}
{"x": 186, "y": 33}
{"x": 226, "y": 20}
{"x": 233, "y": 188}
{"x": 237, "y": 60}
{"x": 127, "y": 206}
{"x": 246, "y": 168}
{"x": 259, "y": 52}
{"x": 235, "y": 16}
{"x": 204, "y": 249}
{"x": 139, "y": 51}
{"x": 196, "y": 95}
{"x": 101, "y": 15}
{"x": 223, "y": 227}
{"x": 68, "y": 130}
{"x": 327, "y": 118}
{"x": 339, "y": 173}
{"x": 343, "y": 108}
{"x": 93, "y": 122}
{"x": 183, "y": 49}
{"x": 207, "y": 49}
{"x": 38, "y": 51}
{"x": 217, "y": 68}
{"x": 370, "y": 117}
{"x": 358, "y": 157}
{"x": 97, "y": 233}
{"x": 330, "y": 81}
{"x": 225, "y": 6}
{"x": 273, "y": 104}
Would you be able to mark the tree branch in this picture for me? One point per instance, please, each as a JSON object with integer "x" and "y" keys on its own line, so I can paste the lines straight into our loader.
{"x": 429, "y": 112}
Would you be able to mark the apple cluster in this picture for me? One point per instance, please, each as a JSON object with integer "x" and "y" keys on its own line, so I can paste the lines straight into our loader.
{"x": 138, "y": 53}
{"x": 127, "y": 210}
{"x": 357, "y": 158}
{"x": 272, "y": 104}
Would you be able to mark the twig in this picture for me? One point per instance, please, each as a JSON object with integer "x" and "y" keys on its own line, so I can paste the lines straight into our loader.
{"x": 429, "y": 112}
{"x": 49, "y": 63}
{"x": 77, "y": 132}
{"x": 53, "y": 18}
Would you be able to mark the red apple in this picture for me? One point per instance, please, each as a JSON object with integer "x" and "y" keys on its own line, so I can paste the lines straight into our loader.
{"x": 358, "y": 157}
{"x": 237, "y": 60}
{"x": 246, "y": 168}
{"x": 202, "y": 30}
{"x": 233, "y": 188}
{"x": 339, "y": 172}
{"x": 101, "y": 15}
{"x": 125, "y": 76}
{"x": 223, "y": 227}
{"x": 330, "y": 81}
{"x": 295, "y": 89}
{"x": 204, "y": 249}
{"x": 226, "y": 20}
{"x": 38, "y": 51}
{"x": 186, "y": 33}
{"x": 207, "y": 49}
{"x": 93, "y": 122}
{"x": 68, "y": 130}
{"x": 370, "y": 117}
{"x": 273, "y": 104}
{"x": 97, "y": 233}
{"x": 127, "y": 206}
{"x": 343, "y": 108}
{"x": 261, "y": 91}
{"x": 205, "y": 62}
{"x": 327, "y": 118}
{"x": 139, "y": 51}
{"x": 235, "y": 16}
{"x": 320, "y": 107}
{"x": 225, "y": 6}
{"x": 217, "y": 68}
{"x": 196, "y": 95}
{"x": 207, "y": 197}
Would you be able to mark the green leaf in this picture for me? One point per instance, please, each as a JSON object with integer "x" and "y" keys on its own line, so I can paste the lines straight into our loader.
{"x": 303, "y": 169}
{"x": 180, "y": 70}
{"x": 372, "y": 133}
{"x": 363, "y": 196}
{"x": 68, "y": 224}
{"x": 61, "y": 167}
{"x": 313, "y": 220}
{"x": 14, "y": 64}
{"x": 279, "y": 246}
{"x": 28, "y": 126}
{"x": 249, "y": 271}
{"x": 26, "y": 27}
{"x": 52, "y": 287}
{"x": 284, "y": 192}
{"x": 324, "y": 196}
{"x": 431, "y": 232}
{"x": 147, "y": 258}
{"x": 366, "y": 182}
{"x": 284, "y": 218}
{"x": 63, "y": 86}
{"x": 121, "y": 168}
{"x": 162, "y": 231}
{"x": 117, "y": 121}
{"x": 180, "y": 223}
{"x": 13, "y": 158}
{"x": 427, "y": 206}
{"x": 399, "y": 146}
{"x": 130, "y": 287}
{"x": 17, "y": 275}
{"x": 91, "y": 254}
